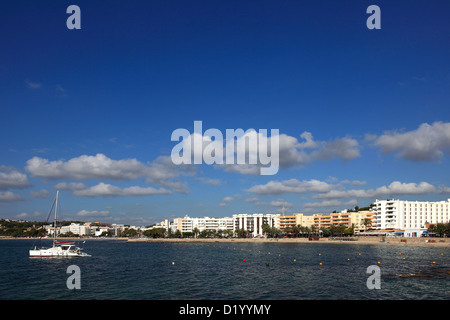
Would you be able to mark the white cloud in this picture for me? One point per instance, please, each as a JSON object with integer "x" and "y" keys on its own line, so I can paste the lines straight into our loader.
{"x": 354, "y": 182}
{"x": 291, "y": 186}
{"x": 8, "y": 196}
{"x": 94, "y": 213}
{"x": 22, "y": 215}
{"x": 85, "y": 167}
{"x": 41, "y": 194}
{"x": 323, "y": 204}
{"x": 107, "y": 190}
{"x": 444, "y": 189}
{"x": 394, "y": 189}
{"x": 427, "y": 143}
{"x": 33, "y": 85}
{"x": 214, "y": 182}
{"x": 252, "y": 199}
{"x": 280, "y": 203}
{"x": 331, "y": 204}
{"x": 292, "y": 152}
{"x": 344, "y": 148}
{"x": 11, "y": 178}
{"x": 70, "y": 186}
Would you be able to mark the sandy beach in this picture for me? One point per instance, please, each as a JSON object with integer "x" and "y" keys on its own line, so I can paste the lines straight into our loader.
{"x": 434, "y": 242}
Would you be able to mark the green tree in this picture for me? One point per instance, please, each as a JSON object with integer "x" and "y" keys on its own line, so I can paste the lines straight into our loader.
{"x": 367, "y": 223}
{"x": 441, "y": 230}
{"x": 130, "y": 233}
{"x": 269, "y": 231}
{"x": 154, "y": 233}
{"x": 196, "y": 232}
{"x": 241, "y": 233}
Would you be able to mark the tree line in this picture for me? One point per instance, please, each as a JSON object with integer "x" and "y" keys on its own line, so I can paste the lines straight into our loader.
{"x": 440, "y": 229}
{"x": 268, "y": 231}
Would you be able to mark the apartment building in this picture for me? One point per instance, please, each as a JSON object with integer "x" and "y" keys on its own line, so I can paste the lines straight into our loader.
{"x": 283, "y": 222}
{"x": 253, "y": 222}
{"x": 188, "y": 224}
{"x": 348, "y": 219}
{"x": 404, "y": 214}
{"x": 76, "y": 228}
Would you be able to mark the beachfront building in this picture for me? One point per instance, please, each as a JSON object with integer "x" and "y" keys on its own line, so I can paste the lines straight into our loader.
{"x": 165, "y": 224}
{"x": 188, "y": 224}
{"x": 253, "y": 222}
{"x": 360, "y": 220}
{"x": 118, "y": 228}
{"x": 283, "y": 222}
{"x": 76, "y": 228}
{"x": 404, "y": 214}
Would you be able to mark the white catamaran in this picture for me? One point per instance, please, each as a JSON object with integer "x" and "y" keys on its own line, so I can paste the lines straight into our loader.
{"x": 59, "y": 248}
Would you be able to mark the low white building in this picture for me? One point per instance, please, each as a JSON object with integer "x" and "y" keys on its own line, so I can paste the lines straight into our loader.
{"x": 77, "y": 229}
{"x": 165, "y": 224}
{"x": 414, "y": 232}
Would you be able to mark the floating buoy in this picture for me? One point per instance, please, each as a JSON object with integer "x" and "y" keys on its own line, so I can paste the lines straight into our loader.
{"x": 243, "y": 260}
{"x": 400, "y": 253}
{"x": 295, "y": 260}
{"x": 379, "y": 262}
{"x": 320, "y": 254}
{"x": 442, "y": 254}
{"x": 268, "y": 253}
{"x": 359, "y": 254}
{"x": 404, "y": 258}
{"x": 279, "y": 255}
{"x": 267, "y": 264}
{"x": 173, "y": 263}
{"x": 348, "y": 259}
{"x": 434, "y": 262}
{"x": 320, "y": 264}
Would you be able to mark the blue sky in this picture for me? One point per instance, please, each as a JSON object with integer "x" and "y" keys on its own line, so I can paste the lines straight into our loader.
{"x": 91, "y": 111}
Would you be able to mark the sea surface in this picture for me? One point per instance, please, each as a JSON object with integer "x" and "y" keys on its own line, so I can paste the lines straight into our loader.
{"x": 210, "y": 271}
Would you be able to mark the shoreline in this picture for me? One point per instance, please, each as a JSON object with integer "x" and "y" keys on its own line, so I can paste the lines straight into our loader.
{"x": 437, "y": 242}
{"x": 425, "y": 242}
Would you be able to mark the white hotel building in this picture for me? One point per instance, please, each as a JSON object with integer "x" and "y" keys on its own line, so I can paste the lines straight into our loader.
{"x": 188, "y": 224}
{"x": 250, "y": 222}
{"x": 403, "y": 214}
{"x": 253, "y": 222}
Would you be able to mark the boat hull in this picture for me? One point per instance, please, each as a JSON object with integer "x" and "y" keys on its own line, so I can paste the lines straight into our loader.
{"x": 50, "y": 253}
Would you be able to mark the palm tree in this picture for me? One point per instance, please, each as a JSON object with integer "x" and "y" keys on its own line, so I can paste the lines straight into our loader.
{"x": 367, "y": 222}
{"x": 313, "y": 229}
{"x": 196, "y": 232}
{"x": 297, "y": 229}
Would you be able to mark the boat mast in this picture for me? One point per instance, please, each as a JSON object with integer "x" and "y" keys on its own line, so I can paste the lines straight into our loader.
{"x": 54, "y": 224}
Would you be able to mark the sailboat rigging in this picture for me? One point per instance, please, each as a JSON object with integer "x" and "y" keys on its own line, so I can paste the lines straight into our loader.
{"x": 59, "y": 248}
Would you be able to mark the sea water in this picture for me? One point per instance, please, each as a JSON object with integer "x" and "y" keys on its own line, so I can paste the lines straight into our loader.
{"x": 226, "y": 270}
